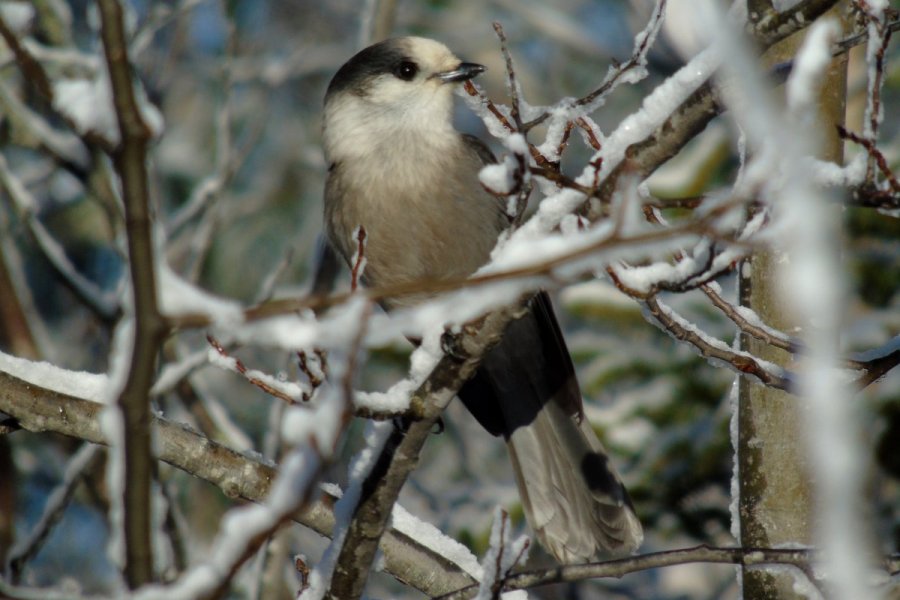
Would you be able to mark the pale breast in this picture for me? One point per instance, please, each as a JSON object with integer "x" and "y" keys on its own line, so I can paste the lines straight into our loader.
{"x": 425, "y": 219}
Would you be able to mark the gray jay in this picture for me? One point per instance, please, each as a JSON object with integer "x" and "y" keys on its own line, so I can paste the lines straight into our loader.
{"x": 397, "y": 167}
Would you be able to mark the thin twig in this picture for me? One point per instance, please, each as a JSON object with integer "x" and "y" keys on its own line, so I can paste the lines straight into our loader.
{"x": 748, "y": 557}
{"x": 590, "y": 131}
{"x": 615, "y": 75}
{"x": 359, "y": 258}
{"x": 870, "y": 197}
{"x": 876, "y": 73}
{"x": 741, "y": 362}
{"x": 175, "y": 528}
{"x": 32, "y": 70}
{"x": 251, "y": 376}
{"x": 875, "y": 368}
{"x": 315, "y": 369}
{"x": 874, "y": 154}
{"x": 473, "y": 91}
{"x": 497, "y": 584}
{"x": 845, "y": 45}
{"x": 57, "y": 501}
{"x": 103, "y": 304}
{"x": 516, "y": 112}
{"x": 777, "y": 339}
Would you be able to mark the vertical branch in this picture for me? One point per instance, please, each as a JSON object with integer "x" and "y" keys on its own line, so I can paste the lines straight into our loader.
{"x": 775, "y": 501}
{"x": 130, "y": 161}
{"x": 879, "y": 38}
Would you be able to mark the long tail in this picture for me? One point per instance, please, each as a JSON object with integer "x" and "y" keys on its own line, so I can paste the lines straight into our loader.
{"x": 526, "y": 391}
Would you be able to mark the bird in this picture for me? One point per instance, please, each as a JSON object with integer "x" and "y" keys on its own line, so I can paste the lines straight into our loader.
{"x": 398, "y": 168}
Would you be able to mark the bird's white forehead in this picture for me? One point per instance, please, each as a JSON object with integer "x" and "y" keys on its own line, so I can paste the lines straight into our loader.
{"x": 430, "y": 53}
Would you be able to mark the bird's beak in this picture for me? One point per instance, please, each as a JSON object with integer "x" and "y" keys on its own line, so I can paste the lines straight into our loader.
{"x": 463, "y": 72}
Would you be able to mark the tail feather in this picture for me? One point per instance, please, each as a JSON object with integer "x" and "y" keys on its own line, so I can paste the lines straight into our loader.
{"x": 555, "y": 461}
{"x": 526, "y": 391}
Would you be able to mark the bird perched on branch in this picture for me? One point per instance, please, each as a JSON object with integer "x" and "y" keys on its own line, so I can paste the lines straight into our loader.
{"x": 398, "y": 168}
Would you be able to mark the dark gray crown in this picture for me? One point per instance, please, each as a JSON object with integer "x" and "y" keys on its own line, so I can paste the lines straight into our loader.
{"x": 359, "y": 71}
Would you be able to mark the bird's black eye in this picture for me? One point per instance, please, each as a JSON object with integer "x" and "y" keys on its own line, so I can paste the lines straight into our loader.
{"x": 406, "y": 70}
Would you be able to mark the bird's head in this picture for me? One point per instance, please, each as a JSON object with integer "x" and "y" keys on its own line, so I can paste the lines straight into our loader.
{"x": 400, "y": 84}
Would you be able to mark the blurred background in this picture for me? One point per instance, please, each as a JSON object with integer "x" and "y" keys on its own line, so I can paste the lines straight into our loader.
{"x": 237, "y": 180}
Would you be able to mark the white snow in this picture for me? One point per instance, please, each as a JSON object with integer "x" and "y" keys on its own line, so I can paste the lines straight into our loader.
{"x": 734, "y": 505}
{"x": 813, "y": 285}
{"x": 655, "y": 109}
{"x": 811, "y": 62}
{"x": 713, "y": 342}
{"x": 320, "y": 577}
{"x": 596, "y": 291}
{"x": 88, "y": 103}
{"x": 643, "y": 278}
{"x": 501, "y": 556}
{"x": 560, "y": 115}
{"x": 434, "y": 539}
{"x": 81, "y": 384}
{"x": 784, "y": 5}
{"x": 58, "y": 141}
{"x": 320, "y": 419}
{"x": 498, "y": 178}
{"x": 18, "y": 16}
{"x": 833, "y": 175}
{"x": 112, "y": 424}
{"x": 876, "y": 7}
{"x": 178, "y": 297}
{"x": 291, "y": 389}
{"x": 754, "y": 319}
{"x": 395, "y": 400}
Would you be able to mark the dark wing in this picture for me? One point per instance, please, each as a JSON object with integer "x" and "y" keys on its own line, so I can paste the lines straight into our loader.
{"x": 480, "y": 148}
{"x": 527, "y": 368}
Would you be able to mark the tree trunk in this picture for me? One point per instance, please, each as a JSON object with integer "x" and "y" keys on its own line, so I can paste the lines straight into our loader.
{"x": 775, "y": 491}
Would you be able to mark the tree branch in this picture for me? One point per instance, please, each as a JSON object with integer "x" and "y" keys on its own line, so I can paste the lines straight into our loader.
{"x": 130, "y": 160}
{"x": 742, "y": 362}
{"x": 239, "y": 476}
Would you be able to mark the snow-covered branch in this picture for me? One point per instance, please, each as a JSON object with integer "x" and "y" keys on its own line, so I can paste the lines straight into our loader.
{"x": 238, "y": 475}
